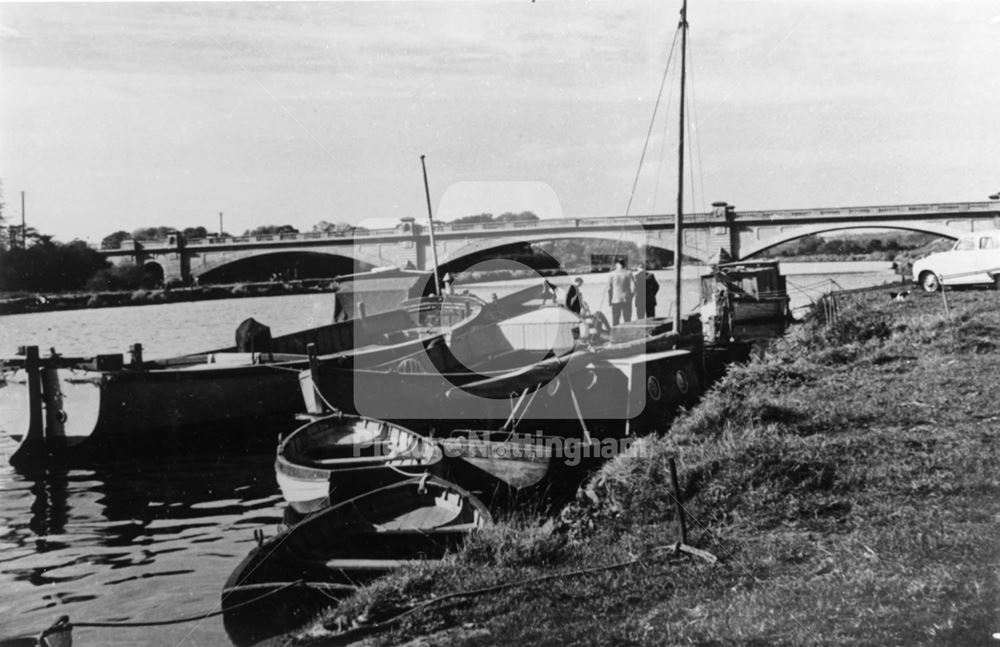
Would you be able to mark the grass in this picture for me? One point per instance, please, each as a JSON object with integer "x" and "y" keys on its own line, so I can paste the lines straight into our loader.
{"x": 847, "y": 481}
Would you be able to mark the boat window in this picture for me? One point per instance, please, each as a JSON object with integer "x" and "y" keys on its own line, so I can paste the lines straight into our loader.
{"x": 965, "y": 244}
{"x": 987, "y": 242}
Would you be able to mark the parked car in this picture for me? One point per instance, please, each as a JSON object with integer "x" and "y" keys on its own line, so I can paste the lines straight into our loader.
{"x": 975, "y": 259}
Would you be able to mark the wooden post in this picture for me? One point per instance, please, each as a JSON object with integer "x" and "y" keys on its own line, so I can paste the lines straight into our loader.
{"x": 135, "y": 350}
{"x": 681, "y": 521}
{"x": 319, "y": 405}
{"x": 34, "y": 438}
{"x": 944, "y": 297}
{"x": 55, "y": 431}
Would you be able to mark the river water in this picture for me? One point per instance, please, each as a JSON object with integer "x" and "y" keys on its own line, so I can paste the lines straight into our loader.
{"x": 154, "y": 538}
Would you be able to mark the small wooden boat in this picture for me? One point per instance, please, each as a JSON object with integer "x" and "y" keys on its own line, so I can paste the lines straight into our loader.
{"x": 346, "y": 544}
{"x": 340, "y": 456}
{"x": 509, "y": 470}
{"x": 56, "y": 404}
{"x": 517, "y": 461}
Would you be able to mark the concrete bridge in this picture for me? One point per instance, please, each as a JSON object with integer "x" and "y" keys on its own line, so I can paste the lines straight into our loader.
{"x": 741, "y": 233}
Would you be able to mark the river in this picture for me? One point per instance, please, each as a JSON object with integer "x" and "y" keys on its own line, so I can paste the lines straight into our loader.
{"x": 149, "y": 539}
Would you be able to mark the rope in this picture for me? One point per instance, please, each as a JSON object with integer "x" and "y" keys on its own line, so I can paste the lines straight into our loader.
{"x": 652, "y": 121}
{"x": 694, "y": 120}
{"x": 524, "y": 411}
{"x": 324, "y": 400}
{"x": 478, "y": 592}
{"x": 177, "y": 621}
{"x": 278, "y": 368}
{"x": 579, "y": 415}
{"x": 642, "y": 156}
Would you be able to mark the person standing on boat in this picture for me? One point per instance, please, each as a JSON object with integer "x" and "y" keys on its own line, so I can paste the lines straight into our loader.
{"x": 574, "y": 297}
{"x": 620, "y": 288}
{"x": 646, "y": 287}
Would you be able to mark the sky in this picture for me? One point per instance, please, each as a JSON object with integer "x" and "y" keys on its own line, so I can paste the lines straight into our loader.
{"x": 126, "y": 115}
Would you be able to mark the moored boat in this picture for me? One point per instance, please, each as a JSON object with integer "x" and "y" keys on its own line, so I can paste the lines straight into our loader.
{"x": 338, "y": 457}
{"x": 63, "y": 404}
{"x": 346, "y": 544}
{"x": 527, "y": 349}
{"x": 744, "y": 302}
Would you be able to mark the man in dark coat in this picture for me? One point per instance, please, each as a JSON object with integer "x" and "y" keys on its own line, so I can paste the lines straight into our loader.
{"x": 646, "y": 287}
{"x": 574, "y": 298}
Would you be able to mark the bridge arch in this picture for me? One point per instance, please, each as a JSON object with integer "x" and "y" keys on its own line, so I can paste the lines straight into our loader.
{"x": 285, "y": 263}
{"x": 479, "y": 245}
{"x": 794, "y": 233}
{"x": 153, "y": 274}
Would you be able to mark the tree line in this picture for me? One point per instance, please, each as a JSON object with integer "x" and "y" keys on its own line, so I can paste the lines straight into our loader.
{"x": 115, "y": 239}
{"x": 144, "y": 234}
{"x": 885, "y": 245}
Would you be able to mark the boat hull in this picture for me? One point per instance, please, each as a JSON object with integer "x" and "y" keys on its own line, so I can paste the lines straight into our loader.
{"x": 202, "y": 397}
{"x": 339, "y": 457}
{"x": 346, "y": 544}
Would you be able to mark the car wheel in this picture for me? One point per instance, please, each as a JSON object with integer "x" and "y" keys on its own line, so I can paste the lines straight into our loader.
{"x": 929, "y": 282}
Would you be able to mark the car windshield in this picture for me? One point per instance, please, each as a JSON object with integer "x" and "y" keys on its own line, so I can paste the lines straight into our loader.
{"x": 965, "y": 244}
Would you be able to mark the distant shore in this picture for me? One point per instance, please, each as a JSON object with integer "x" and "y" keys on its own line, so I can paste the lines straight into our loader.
{"x": 24, "y": 303}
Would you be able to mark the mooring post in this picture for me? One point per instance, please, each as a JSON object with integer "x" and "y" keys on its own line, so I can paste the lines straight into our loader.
{"x": 135, "y": 350}
{"x": 32, "y": 366}
{"x": 318, "y": 402}
{"x": 681, "y": 522}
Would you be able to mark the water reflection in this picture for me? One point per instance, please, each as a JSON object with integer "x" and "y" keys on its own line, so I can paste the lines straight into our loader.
{"x": 135, "y": 539}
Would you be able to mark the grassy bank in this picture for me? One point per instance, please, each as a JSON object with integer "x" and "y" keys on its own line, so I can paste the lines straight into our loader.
{"x": 847, "y": 481}
{"x": 21, "y": 303}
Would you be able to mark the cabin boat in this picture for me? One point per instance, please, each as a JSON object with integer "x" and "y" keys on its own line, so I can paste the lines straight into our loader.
{"x": 51, "y": 405}
{"x": 474, "y": 379}
{"x": 338, "y": 457}
{"x": 344, "y": 545}
{"x": 744, "y": 302}
{"x": 525, "y": 349}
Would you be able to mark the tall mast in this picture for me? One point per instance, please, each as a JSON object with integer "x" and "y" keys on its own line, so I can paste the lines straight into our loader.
{"x": 678, "y": 219}
{"x": 430, "y": 221}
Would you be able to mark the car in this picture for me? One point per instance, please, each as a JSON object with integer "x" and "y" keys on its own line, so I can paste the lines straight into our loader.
{"x": 974, "y": 259}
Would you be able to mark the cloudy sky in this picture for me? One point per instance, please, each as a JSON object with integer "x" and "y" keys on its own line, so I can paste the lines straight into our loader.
{"x": 118, "y": 116}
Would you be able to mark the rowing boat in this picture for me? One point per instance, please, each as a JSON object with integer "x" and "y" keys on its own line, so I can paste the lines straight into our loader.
{"x": 349, "y": 543}
{"x": 338, "y": 457}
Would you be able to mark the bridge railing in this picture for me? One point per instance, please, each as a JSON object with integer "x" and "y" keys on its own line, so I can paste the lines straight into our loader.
{"x": 602, "y": 222}
{"x": 901, "y": 210}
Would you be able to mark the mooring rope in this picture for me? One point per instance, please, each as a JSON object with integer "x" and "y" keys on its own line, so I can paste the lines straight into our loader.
{"x": 325, "y": 401}
{"x": 642, "y": 159}
{"x": 197, "y": 618}
{"x": 378, "y": 626}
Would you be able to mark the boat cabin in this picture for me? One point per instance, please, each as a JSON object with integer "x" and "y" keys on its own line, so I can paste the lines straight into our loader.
{"x": 744, "y": 302}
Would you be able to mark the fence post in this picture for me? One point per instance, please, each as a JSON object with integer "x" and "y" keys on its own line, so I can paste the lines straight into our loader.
{"x": 681, "y": 521}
